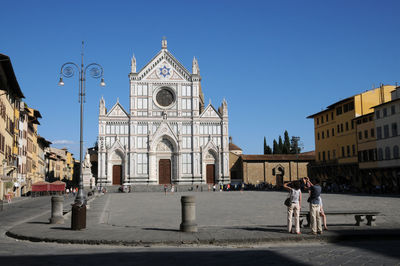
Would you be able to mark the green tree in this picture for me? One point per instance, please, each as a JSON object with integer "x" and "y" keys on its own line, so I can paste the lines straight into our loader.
{"x": 280, "y": 144}
{"x": 294, "y": 146}
{"x": 267, "y": 149}
{"x": 286, "y": 143}
{"x": 265, "y": 145}
{"x": 276, "y": 149}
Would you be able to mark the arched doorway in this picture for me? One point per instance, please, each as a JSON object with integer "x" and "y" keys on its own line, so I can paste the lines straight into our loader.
{"x": 210, "y": 167}
{"x": 280, "y": 172}
{"x": 117, "y": 162}
{"x": 279, "y": 180}
{"x": 165, "y": 158}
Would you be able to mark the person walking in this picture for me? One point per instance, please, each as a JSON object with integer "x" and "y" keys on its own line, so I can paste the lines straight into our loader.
{"x": 315, "y": 207}
{"x": 294, "y": 208}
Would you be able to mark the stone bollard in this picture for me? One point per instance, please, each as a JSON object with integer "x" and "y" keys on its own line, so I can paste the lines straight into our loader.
{"x": 57, "y": 210}
{"x": 188, "y": 214}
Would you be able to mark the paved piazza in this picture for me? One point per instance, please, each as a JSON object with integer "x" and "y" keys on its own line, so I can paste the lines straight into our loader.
{"x": 226, "y": 209}
{"x": 154, "y": 218}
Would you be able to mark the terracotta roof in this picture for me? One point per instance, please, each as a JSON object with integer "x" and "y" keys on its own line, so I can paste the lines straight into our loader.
{"x": 277, "y": 157}
{"x": 308, "y": 153}
{"x": 233, "y": 147}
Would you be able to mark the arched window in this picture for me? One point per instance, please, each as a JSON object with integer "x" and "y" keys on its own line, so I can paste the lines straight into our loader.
{"x": 380, "y": 154}
{"x": 387, "y": 153}
{"x": 396, "y": 152}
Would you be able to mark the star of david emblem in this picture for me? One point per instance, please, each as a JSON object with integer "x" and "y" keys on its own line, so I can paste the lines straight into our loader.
{"x": 164, "y": 71}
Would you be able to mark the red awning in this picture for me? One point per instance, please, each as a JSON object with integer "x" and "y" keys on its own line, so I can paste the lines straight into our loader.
{"x": 40, "y": 186}
{"x": 57, "y": 186}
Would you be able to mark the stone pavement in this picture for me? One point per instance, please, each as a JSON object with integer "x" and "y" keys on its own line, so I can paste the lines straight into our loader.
{"x": 223, "y": 218}
{"x": 15, "y": 202}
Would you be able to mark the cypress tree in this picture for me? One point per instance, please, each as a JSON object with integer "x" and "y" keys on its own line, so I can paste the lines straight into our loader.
{"x": 280, "y": 145}
{"x": 275, "y": 148}
{"x": 267, "y": 149}
{"x": 286, "y": 143}
{"x": 265, "y": 145}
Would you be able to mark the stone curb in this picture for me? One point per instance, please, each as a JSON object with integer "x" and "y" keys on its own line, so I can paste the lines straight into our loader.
{"x": 349, "y": 236}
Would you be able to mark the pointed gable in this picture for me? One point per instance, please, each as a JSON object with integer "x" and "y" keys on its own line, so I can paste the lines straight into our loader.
{"x": 117, "y": 145}
{"x": 210, "y": 145}
{"x": 164, "y": 66}
{"x": 164, "y": 130}
{"x": 117, "y": 111}
{"x": 210, "y": 111}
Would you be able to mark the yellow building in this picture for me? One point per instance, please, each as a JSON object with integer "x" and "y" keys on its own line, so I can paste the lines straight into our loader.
{"x": 10, "y": 96}
{"x": 335, "y": 132}
{"x": 60, "y": 164}
{"x": 16, "y": 128}
{"x": 32, "y": 157}
{"x": 69, "y": 165}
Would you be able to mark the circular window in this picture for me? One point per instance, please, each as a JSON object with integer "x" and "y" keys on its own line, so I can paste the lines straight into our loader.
{"x": 165, "y": 97}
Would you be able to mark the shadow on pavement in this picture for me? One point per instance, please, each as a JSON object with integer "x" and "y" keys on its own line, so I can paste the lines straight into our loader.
{"x": 37, "y": 222}
{"x": 260, "y": 257}
{"x": 61, "y": 228}
{"x": 263, "y": 229}
{"x": 162, "y": 229}
{"x": 365, "y": 195}
{"x": 389, "y": 248}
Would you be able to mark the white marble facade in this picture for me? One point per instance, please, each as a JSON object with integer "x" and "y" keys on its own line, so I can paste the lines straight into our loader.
{"x": 169, "y": 135}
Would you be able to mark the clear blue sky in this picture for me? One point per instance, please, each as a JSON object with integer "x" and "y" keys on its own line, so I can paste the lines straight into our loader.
{"x": 276, "y": 62}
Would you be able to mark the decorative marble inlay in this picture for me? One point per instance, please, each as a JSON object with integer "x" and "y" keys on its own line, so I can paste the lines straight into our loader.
{"x": 164, "y": 71}
{"x": 165, "y": 145}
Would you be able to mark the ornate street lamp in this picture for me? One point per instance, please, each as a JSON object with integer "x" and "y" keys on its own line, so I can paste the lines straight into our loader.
{"x": 95, "y": 71}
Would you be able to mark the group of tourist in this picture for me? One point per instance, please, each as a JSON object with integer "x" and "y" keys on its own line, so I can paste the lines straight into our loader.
{"x": 315, "y": 201}
{"x": 72, "y": 190}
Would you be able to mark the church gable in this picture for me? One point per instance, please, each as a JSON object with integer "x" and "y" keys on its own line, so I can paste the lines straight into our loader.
{"x": 117, "y": 146}
{"x": 163, "y": 71}
{"x": 164, "y": 130}
{"x": 117, "y": 111}
{"x": 164, "y": 66}
{"x": 210, "y": 145}
{"x": 210, "y": 111}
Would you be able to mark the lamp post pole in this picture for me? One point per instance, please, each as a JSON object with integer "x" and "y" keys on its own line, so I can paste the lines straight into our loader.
{"x": 96, "y": 71}
{"x": 295, "y": 141}
{"x": 2, "y": 187}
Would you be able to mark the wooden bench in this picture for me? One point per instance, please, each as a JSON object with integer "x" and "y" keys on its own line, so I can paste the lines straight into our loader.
{"x": 359, "y": 216}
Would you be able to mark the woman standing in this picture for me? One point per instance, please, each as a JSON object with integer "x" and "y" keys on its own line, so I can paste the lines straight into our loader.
{"x": 322, "y": 213}
{"x": 294, "y": 208}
